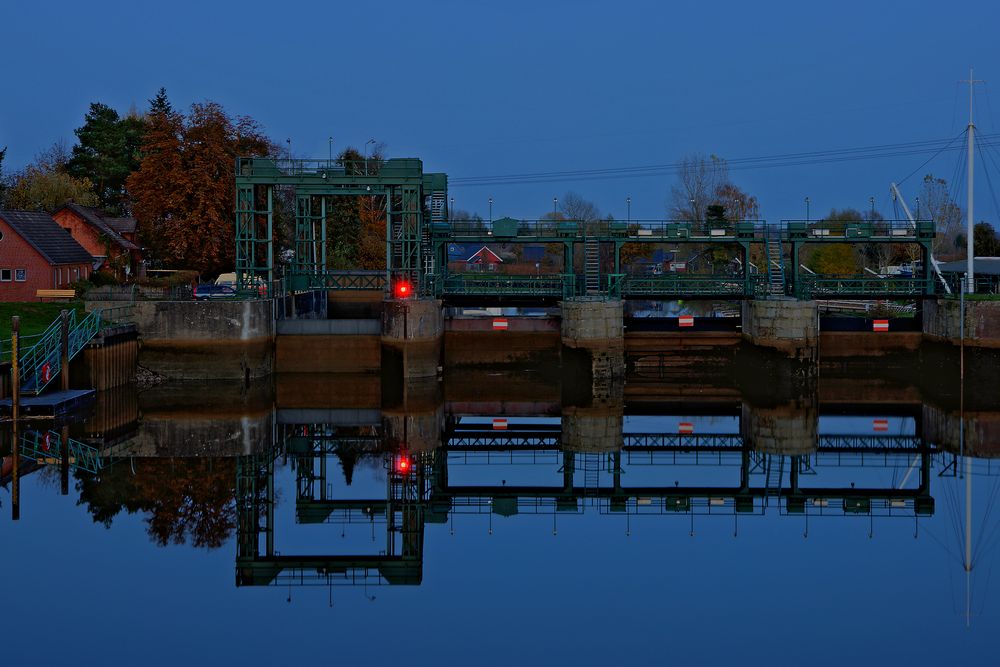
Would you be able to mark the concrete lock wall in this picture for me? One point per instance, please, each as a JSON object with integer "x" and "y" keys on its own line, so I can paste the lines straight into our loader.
{"x": 413, "y": 329}
{"x": 789, "y": 326}
{"x": 943, "y": 322}
{"x": 788, "y": 429}
{"x": 592, "y": 324}
{"x": 592, "y": 429}
{"x": 204, "y": 340}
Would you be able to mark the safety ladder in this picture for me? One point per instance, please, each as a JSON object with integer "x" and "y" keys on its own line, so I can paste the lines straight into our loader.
{"x": 592, "y": 264}
{"x": 775, "y": 261}
{"x": 774, "y": 476}
{"x": 591, "y": 474}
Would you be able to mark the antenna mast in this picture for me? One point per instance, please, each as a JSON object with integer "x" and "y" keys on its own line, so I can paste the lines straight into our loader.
{"x": 970, "y": 273}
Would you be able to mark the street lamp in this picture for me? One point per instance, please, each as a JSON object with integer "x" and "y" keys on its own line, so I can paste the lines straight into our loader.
{"x": 872, "y": 201}
{"x": 329, "y": 147}
{"x": 555, "y": 201}
{"x": 451, "y": 211}
{"x": 628, "y": 209}
{"x": 694, "y": 211}
{"x": 807, "y": 209}
{"x": 491, "y": 210}
{"x": 370, "y": 141}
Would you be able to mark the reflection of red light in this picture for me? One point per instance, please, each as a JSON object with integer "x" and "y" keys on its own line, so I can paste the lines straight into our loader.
{"x": 403, "y": 464}
{"x": 403, "y": 289}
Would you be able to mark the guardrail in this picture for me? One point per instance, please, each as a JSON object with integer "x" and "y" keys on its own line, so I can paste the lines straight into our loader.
{"x": 816, "y": 286}
{"x": 561, "y": 285}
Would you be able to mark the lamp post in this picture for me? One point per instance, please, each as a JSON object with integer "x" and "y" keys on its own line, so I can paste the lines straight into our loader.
{"x": 370, "y": 141}
{"x": 555, "y": 202}
{"x": 451, "y": 211}
{"x": 872, "y": 201}
{"x": 491, "y": 210}
{"x": 329, "y": 148}
{"x": 628, "y": 209}
{"x": 807, "y": 209}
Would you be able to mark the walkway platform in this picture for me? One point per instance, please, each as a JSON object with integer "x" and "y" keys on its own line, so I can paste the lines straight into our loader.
{"x": 52, "y": 403}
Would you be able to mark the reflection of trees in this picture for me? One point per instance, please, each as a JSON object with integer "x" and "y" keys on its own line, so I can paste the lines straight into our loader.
{"x": 184, "y": 499}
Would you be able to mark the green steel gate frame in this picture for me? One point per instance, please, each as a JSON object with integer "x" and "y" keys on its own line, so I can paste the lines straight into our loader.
{"x": 412, "y": 200}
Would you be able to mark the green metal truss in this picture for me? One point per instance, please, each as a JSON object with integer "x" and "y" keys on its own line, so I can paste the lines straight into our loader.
{"x": 412, "y": 201}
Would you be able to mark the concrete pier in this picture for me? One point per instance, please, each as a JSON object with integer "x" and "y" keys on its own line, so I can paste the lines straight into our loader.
{"x": 597, "y": 328}
{"x": 204, "y": 340}
{"x": 592, "y": 429}
{"x": 412, "y": 332}
{"x": 786, "y": 325}
{"x": 789, "y": 429}
{"x": 943, "y": 322}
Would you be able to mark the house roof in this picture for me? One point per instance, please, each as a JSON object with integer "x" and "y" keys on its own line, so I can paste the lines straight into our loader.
{"x": 484, "y": 254}
{"x": 122, "y": 225}
{"x": 96, "y": 217}
{"x": 44, "y": 235}
{"x": 987, "y": 266}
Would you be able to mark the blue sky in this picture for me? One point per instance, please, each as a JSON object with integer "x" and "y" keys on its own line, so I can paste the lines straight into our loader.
{"x": 482, "y": 89}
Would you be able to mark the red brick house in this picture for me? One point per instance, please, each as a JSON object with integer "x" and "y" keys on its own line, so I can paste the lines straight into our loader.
{"x": 36, "y": 253}
{"x": 110, "y": 240}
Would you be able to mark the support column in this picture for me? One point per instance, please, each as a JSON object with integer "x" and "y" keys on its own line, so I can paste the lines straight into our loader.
{"x": 789, "y": 429}
{"x": 596, "y": 328}
{"x": 786, "y": 325}
{"x": 414, "y": 329}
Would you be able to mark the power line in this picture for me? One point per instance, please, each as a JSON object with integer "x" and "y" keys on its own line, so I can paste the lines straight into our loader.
{"x": 880, "y": 151}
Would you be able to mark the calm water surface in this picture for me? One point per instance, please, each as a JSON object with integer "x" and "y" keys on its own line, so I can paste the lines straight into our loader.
{"x": 499, "y": 518}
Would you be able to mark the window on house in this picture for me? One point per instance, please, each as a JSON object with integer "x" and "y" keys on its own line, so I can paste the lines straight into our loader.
{"x": 4, "y": 275}
{"x": 20, "y": 275}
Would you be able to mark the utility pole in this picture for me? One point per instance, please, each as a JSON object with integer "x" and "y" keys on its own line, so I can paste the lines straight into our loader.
{"x": 969, "y": 246}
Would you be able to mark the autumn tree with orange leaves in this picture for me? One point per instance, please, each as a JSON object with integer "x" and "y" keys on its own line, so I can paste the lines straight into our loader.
{"x": 184, "y": 191}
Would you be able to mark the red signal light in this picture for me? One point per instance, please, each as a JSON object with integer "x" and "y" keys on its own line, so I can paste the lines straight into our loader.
{"x": 403, "y": 289}
{"x": 403, "y": 464}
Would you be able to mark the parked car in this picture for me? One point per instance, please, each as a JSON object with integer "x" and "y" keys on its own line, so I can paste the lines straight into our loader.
{"x": 206, "y": 291}
{"x": 230, "y": 280}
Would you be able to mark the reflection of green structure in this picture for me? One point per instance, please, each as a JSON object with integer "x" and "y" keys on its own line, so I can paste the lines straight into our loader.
{"x": 424, "y": 494}
{"x": 400, "y": 513}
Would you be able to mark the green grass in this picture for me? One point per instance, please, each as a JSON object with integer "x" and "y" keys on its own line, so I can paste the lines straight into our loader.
{"x": 35, "y": 317}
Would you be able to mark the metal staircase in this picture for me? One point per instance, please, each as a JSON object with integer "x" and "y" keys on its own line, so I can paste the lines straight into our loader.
{"x": 591, "y": 474}
{"x": 775, "y": 261}
{"x": 592, "y": 264}
{"x": 46, "y": 447}
{"x": 775, "y": 473}
{"x": 39, "y": 364}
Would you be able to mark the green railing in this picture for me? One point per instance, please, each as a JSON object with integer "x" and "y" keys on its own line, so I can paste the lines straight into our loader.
{"x": 46, "y": 446}
{"x": 39, "y": 364}
{"x": 637, "y": 230}
{"x": 834, "y": 230}
{"x": 343, "y": 280}
{"x": 685, "y": 285}
{"x": 560, "y": 285}
{"x": 819, "y": 286}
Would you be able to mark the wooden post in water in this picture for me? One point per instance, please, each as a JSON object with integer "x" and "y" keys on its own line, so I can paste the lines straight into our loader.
{"x": 15, "y": 409}
{"x": 64, "y": 461}
{"x": 64, "y": 352}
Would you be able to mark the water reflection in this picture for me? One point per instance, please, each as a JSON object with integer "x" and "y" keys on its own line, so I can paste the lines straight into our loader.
{"x": 340, "y": 480}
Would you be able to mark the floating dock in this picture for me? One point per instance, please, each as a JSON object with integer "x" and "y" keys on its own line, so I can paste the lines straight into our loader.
{"x": 52, "y": 404}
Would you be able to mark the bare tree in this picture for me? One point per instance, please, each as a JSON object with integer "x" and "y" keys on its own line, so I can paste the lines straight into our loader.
{"x": 936, "y": 203}
{"x": 575, "y": 207}
{"x": 699, "y": 179}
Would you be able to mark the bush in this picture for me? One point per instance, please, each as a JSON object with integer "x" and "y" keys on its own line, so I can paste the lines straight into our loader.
{"x": 175, "y": 279}
{"x": 100, "y": 278}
